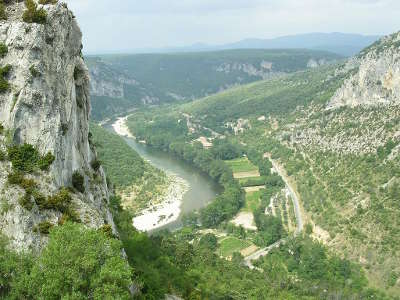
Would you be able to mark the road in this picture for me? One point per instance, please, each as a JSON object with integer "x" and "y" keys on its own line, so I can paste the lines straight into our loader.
{"x": 295, "y": 199}
{"x": 297, "y": 211}
{"x": 260, "y": 253}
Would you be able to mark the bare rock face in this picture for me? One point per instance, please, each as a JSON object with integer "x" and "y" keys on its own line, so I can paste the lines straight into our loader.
{"x": 106, "y": 82}
{"x": 48, "y": 106}
{"x": 376, "y": 78}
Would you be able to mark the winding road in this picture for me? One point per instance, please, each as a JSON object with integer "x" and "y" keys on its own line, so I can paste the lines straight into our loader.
{"x": 297, "y": 211}
{"x": 293, "y": 195}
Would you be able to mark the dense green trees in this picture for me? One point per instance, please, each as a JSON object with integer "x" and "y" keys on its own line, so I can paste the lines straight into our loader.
{"x": 274, "y": 97}
{"x": 328, "y": 274}
{"x": 184, "y": 263}
{"x": 122, "y": 164}
{"x": 270, "y": 228}
{"x": 226, "y": 150}
{"x": 77, "y": 263}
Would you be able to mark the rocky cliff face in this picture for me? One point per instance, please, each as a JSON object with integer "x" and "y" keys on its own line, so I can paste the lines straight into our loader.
{"x": 107, "y": 82}
{"x": 376, "y": 78}
{"x": 47, "y": 106}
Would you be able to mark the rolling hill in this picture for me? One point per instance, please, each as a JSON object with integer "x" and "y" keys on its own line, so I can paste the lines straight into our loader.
{"x": 123, "y": 82}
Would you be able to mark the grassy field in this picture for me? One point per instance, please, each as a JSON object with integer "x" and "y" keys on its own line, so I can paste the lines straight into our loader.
{"x": 252, "y": 201}
{"x": 240, "y": 165}
{"x": 230, "y": 245}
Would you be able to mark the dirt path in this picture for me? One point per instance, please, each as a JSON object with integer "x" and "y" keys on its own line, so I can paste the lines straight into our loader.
{"x": 251, "y": 189}
{"x": 245, "y": 219}
{"x": 240, "y": 175}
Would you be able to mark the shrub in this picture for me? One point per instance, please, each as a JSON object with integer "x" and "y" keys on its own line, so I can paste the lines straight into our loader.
{"x": 34, "y": 72}
{"x": 96, "y": 164}
{"x": 40, "y": 199}
{"x": 107, "y": 230}
{"x": 15, "y": 178}
{"x": 209, "y": 241}
{"x": 24, "y": 158}
{"x": 59, "y": 201}
{"x": 70, "y": 215}
{"x": 3, "y": 49}
{"x": 64, "y": 128}
{"x": 4, "y": 85}
{"x": 309, "y": 229}
{"x": 48, "y": 1}
{"x": 26, "y": 201}
{"x": 32, "y": 14}
{"x": 43, "y": 227}
{"x": 78, "y": 182}
{"x": 28, "y": 185}
{"x": 2, "y": 155}
{"x": 46, "y": 161}
{"x": 1, "y": 128}
{"x": 3, "y": 15}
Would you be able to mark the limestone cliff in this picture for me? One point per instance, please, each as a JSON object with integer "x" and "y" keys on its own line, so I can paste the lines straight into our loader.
{"x": 47, "y": 105}
{"x": 376, "y": 78}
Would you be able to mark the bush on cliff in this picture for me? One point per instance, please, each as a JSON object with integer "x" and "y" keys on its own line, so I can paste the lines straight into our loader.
{"x": 32, "y": 14}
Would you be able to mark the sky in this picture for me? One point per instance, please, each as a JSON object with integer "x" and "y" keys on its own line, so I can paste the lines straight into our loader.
{"x": 125, "y": 25}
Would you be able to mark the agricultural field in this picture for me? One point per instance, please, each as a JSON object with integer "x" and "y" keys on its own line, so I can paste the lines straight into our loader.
{"x": 229, "y": 245}
{"x": 242, "y": 164}
{"x": 253, "y": 201}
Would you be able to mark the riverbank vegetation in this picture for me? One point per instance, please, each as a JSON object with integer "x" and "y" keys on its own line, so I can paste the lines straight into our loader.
{"x": 135, "y": 180}
{"x": 169, "y": 133}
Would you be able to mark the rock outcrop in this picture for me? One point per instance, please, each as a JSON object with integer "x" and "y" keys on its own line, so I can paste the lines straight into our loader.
{"x": 48, "y": 106}
{"x": 107, "y": 82}
{"x": 376, "y": 76}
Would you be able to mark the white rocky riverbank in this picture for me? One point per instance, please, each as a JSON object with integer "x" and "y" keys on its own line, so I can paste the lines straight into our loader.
{"x": 169, "y": 209}
{"x": 121, "y": 128}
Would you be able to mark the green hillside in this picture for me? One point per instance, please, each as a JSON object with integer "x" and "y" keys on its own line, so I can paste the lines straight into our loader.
{"x": 276, "y": 97}
{"x": 121, "y": 82}
{"x": 342, "y": 162}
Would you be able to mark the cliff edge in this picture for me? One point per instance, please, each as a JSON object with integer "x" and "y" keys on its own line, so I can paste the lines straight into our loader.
{"x": 45, "y": 104}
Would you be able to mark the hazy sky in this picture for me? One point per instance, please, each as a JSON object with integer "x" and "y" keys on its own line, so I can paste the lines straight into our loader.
{"x": 123, "y": 25}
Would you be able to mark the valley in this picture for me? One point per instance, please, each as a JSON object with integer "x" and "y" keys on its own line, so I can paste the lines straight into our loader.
{"x": 198, "y": 189}
{"x": 289, "y": 121}
{"x": 228, "y": 174}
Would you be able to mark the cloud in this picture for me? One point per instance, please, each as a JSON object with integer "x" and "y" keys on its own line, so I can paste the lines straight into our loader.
{"x": 128, "y": 24}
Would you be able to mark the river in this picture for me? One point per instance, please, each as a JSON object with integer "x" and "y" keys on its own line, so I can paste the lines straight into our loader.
{"x": 202, "y": 189}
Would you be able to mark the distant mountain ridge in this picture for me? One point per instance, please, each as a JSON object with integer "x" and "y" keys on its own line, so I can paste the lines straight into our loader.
{"x": 346, "y": 44}
{"x": 340, "y": 43}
